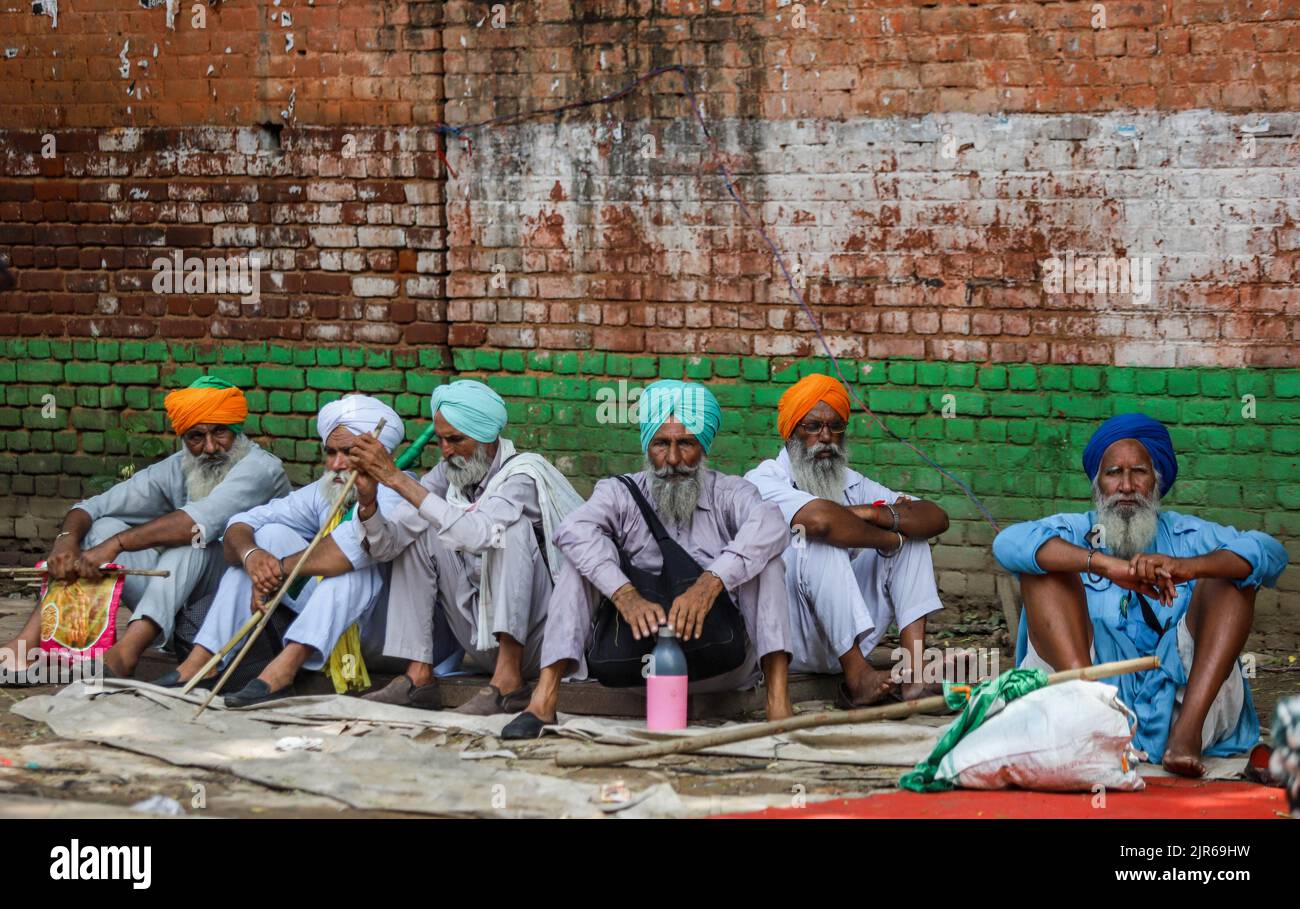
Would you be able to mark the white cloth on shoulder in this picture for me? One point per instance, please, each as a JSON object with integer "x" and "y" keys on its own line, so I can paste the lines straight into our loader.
{"x": 556, "y": 497}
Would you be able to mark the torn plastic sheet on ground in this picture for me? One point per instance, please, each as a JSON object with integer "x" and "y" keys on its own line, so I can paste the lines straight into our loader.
{"x": 370, "y": 759}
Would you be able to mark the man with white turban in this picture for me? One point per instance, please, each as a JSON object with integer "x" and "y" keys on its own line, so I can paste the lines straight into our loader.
{"x": 718, "y": 522}
{"x": 345, "y": 586}
{"x": 470, "y": 542}
{"x": 168, "y": 517}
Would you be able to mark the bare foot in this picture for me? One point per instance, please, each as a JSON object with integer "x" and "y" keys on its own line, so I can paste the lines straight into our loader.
{"x": 117, "y": 664}
{"x": 779, "y": 706}
{"x": 913, "y": 691}
{"x": 9, "y": 658}
{"x": 1184, "y": 757}
{"x": 872, "y": 686}
{"x": 420, "y": 674}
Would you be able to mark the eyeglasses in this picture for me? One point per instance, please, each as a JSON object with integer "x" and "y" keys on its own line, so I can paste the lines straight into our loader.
{"x": 198, "y": 437}
{"x": 814, "y": 427}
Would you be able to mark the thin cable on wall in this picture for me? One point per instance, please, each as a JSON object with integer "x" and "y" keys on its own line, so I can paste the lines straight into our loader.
{"x": 719, "y": 162}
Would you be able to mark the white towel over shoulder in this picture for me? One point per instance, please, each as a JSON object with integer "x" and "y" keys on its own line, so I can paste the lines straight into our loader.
{"x": 556, "y": 497}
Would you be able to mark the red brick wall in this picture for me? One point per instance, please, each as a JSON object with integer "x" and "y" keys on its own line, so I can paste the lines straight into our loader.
{"x": 917, "y": 163}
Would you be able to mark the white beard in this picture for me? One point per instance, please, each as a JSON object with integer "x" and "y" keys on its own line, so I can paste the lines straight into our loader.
{"x": 203, "y": 473}
{"x": 675, "y": 500}
{"x": 823, "y": 478}
{"x": 1127, "y": 531}
{"x": 466, "y": 473}
{"x": 332, "y": 491}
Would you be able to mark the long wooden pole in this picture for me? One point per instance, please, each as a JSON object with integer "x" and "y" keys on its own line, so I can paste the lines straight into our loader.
{"x": 618, "y": 755}
{"x": 260, "y": 620}
{"x": 38, "y": 572}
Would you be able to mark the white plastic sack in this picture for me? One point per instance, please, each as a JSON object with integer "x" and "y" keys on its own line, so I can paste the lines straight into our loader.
{"x": 1069, "y": 737}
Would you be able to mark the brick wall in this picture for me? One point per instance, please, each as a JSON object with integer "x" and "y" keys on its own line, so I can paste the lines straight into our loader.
{"x": 920, "y": 166}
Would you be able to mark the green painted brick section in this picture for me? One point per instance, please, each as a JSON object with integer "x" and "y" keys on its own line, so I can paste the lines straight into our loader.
{"x": 1014, "y": 431}
{"x": 271, "y": 377}
{"x": 86, "y": 373}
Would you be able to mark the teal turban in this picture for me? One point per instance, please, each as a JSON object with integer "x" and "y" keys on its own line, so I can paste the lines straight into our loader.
{"x": 472, "y": 408}
{"x": 692, "y": 404}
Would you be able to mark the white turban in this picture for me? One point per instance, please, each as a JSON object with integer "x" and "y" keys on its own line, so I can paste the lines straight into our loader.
{"x": 360, "y": 414}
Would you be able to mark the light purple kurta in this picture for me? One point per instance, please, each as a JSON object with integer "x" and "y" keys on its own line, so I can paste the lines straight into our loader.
{"x": 732, "y": 533}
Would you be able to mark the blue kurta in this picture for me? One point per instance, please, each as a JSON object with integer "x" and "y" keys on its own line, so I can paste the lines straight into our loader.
{"x": 1119, "y": 630}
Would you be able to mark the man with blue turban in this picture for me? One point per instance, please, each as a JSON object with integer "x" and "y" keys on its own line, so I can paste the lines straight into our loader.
{"x": 709, "y": 521}
{"x": 1129, "y": 579}
{"x": 470, "y": 544}
{"x": 339, "y": 607}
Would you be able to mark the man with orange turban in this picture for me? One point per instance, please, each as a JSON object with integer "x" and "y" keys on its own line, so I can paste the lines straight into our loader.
{"x": 858, "y": 558}
{"x": 169, "y": 516}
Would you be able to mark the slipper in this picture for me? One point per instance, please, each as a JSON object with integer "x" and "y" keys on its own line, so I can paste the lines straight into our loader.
{"x": 844, "y": 700}
{"x": 255, "y": 692}
{"x": 489, "y": 701}
{"x": 403, "y": 692}
{"x": 524, "y": 726}
{"x": 169, "y": 680}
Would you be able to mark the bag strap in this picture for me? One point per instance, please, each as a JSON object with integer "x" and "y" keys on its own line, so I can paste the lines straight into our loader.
{"x": 651, "y": 519}
{"x": 1149, "y": 616}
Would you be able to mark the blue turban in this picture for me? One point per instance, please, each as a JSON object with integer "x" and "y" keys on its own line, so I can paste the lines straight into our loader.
{"x": 472, "y": 408}
{"x": 1151, "y": 433}
{"x": 693, "y": 405}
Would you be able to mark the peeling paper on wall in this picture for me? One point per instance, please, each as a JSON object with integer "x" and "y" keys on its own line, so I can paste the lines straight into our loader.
{"x": 49, "y": 8}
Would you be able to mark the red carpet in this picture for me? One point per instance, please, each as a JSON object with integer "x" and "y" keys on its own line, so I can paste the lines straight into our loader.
{"x": 1163, "y": 798}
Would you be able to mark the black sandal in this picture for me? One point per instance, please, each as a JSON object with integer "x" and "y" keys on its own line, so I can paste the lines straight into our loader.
{"x": 524, "y": 726}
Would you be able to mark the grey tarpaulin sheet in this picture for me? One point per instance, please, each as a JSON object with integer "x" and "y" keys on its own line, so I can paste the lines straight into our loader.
{"x": 370, "y": 759}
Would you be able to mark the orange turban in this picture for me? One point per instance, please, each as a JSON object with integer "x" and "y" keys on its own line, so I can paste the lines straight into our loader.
{"x": 806, "y": 394}
{"x": 207, "y": 400}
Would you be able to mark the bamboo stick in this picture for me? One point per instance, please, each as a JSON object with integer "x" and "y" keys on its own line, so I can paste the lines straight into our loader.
{"x": 265, "y": 616}
{"x": 619, "y": 755}
{"x": 38, "y": 572}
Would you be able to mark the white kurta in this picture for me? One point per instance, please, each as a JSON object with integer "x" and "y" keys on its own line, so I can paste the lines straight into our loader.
{"x": 159, "y": 490}
{"x": 437, "y": 554}
{"x": 844, "y": 597}
{"x": 326, "y": 608}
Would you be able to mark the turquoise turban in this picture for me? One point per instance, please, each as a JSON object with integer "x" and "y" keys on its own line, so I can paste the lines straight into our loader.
{"x": 472, "y": 408}
{"x": 692, "y": 404}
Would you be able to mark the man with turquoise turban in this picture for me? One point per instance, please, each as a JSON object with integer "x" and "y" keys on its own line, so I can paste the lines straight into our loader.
{"x": 470, "y": 544}
{"x": 710, "y": 521}
{"x": 1130, "y": 579}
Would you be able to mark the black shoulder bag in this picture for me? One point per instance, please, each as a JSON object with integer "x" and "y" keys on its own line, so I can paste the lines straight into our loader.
{"x": 615, "y": 658}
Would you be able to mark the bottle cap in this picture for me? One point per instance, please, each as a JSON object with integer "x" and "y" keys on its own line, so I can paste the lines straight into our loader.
{"x": 666, "y": 631}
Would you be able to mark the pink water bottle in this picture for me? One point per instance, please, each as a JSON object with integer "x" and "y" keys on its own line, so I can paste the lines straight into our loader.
{"x": 665, "y": 689}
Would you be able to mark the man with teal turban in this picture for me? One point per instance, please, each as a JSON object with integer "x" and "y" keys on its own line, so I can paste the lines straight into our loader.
{"x": 470, "y": 544}
{"x": 1130, "y": 579}
{"x": 716, "y": 530}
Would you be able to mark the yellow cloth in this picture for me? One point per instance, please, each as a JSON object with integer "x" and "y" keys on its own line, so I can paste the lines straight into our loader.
{"x": 806, "y": 394}
{"x": 346, "y": 667}
{"x": 187, "y": 407}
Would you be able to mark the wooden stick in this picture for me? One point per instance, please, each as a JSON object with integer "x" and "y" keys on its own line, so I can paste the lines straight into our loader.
{"x": 270, "y": 607}
{"x": 619, "y": 755}
{"x": 38, "y": 572}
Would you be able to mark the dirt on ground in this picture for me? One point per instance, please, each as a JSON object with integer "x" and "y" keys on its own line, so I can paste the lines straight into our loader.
{"x": 42, "y": 775}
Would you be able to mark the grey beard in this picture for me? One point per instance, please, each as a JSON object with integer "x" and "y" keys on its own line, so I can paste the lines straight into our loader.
{"x": 822, "y": 478}
{"x": 1126, "y": 531}
{"x": 466, "y": 473}
{"x": 203, "y": 473}
{"x": 675, "y": 500}
{"x": 331, "y": 491}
